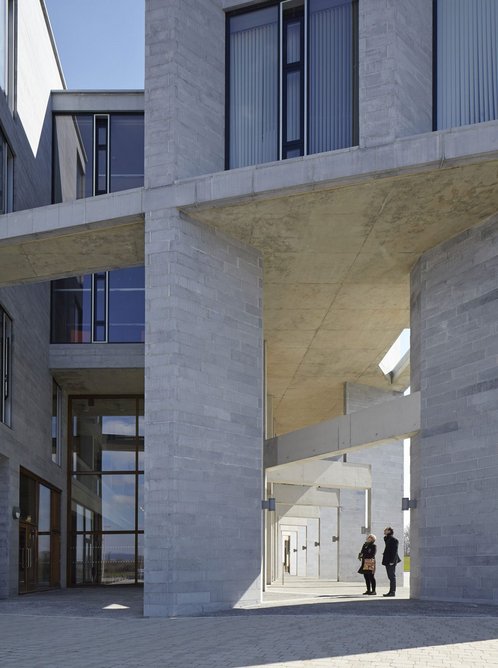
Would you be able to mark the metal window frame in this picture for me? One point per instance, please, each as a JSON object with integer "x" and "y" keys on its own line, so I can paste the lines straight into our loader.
{"x": 6, "y": 369}
{"x": 96, "y": 118}
{"x": 106, "y": 316}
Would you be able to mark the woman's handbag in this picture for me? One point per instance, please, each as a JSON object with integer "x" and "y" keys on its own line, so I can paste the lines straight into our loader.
{"x": 369, "y": 565}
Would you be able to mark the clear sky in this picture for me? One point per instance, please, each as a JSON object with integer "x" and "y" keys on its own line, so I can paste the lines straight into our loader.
{"x": 100, "y": 42}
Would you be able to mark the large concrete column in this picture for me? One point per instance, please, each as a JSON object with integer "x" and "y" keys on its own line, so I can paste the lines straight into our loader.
{"x": 203, "y": 416}
{"x": 454, "y": 461}
{"x": 395, "y": 69}
{"x": 184, "y": 89}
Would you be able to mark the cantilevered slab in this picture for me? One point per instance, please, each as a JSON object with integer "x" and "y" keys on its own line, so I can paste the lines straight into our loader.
{"x": 387, "y": 422}
{"x": 335, "y": 475}
{"x": 339, "y": 233}
{"x": 83, "y": 236}
{"x": 300, "y": 495}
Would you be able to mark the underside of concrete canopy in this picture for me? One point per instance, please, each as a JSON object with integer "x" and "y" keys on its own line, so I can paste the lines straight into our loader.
{"x": 339, "y": 249}
{"x": 72, "y": 238}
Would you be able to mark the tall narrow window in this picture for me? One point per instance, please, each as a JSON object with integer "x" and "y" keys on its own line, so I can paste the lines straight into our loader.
{"x": 253, "y": 40}
{"x": 56, "y": 424}
{"x": 6, "y": 177}
{"x": 466, "y": 62}
{"x": 101, "y": 159}
{"x": 5, "y": 368}
{"x": 7, "y": 33}
{"x": 99, "y": 307}
{"x": 331, "y": 75}
{"x": 308, "y": 49}
{"x": 293, "y": 82}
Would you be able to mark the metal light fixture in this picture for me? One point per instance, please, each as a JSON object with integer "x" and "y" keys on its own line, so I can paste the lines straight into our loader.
{"x": 16, "y": 512}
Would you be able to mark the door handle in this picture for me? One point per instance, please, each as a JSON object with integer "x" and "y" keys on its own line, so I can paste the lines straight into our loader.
{"x": 303, "y": 547}
{"x": 317, "y": 544}
{"x": 295, "y": 549}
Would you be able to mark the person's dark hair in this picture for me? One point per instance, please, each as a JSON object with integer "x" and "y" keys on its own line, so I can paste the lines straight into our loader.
{"x": 390, "y": 530}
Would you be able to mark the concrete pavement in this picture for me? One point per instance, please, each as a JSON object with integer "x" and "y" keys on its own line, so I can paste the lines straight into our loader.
{"x": 304, "y": 624}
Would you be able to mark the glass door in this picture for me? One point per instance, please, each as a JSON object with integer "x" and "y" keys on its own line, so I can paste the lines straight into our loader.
{"x": 28, "y": 541}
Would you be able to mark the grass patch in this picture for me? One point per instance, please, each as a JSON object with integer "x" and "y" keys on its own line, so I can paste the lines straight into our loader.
{"x": 406, "y": 564}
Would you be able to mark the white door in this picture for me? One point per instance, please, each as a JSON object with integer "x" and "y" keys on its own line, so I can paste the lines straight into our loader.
{"x": 313, "y": 548}
{"x": 289, "y": 551}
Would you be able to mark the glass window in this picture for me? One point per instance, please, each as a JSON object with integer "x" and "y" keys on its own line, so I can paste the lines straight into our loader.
{"x": 106, "y": 437}
{"x": 111, "y": 498}
{"x": 253, "y": 68}
{"x": 7, "y": 49}
{"x": 44, "y": 511}
{"x": 27, "y": 499}
{"x": 106, "y": 150}
{"x": 104, "y": 434}
{"x": 56, "y": 424}
{"x": 72, "y": 310}
{"x": 5, "y": 368}
{"x": 127, "y": 305}
{"x": 466, "y": 62}
{"x": 127, "y": 151}
{"x": 108, "y": 306}
{"x": 259, "y": 65}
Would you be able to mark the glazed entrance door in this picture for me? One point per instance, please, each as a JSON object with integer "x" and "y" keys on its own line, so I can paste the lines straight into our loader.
{"x": 28, "y": 541}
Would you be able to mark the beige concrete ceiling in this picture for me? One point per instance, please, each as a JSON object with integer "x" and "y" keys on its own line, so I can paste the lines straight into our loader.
{"x": 100, "y": 381}
{"x": 337, "y": 269}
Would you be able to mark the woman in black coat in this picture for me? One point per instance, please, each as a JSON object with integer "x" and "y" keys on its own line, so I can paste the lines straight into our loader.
{"x": 368, "y": 551}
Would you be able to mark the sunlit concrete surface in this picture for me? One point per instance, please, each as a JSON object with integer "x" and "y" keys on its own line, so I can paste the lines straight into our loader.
{"x": 304, "y": 624}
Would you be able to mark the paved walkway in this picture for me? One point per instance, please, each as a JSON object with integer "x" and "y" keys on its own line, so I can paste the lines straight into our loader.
{"x": 310, "y": 625}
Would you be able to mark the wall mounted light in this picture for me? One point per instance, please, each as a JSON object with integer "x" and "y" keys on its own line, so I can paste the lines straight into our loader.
{"x": 408, "y": 504}
{"x": 16, "y": 512}
{"x": 269, "y": 504}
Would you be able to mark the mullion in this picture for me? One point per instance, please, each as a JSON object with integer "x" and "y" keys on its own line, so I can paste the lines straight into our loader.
{"x": 295, "y": 16}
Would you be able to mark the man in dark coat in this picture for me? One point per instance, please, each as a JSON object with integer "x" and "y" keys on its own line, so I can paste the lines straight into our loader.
{"x": 390, "y": 559}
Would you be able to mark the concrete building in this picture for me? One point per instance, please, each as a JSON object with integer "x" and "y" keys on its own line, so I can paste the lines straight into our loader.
{"x": 199, "y": 282}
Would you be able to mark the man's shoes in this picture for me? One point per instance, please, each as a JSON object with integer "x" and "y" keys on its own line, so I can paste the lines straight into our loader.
{"x": 372, "y": 593}
{"x": 389, "y": 593}
{"x": 365, "y": 593}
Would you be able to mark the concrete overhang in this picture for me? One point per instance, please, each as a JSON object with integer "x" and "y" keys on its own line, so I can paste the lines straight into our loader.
{"x": 92, "y": 101}
{"x": 333, "y": 475}
{"x": 82, "y": 236}
{"x": 300, "y": 495}
{"x": 340, "y": 233}
{"x": 84, "y": 368}
{"x": 388, "y": 422}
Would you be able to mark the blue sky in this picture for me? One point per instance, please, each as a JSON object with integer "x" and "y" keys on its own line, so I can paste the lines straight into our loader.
{"x": 100, "y": 42}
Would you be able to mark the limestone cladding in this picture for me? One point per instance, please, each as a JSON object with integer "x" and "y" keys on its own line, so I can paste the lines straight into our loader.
{"x": 455, "y": 458}
{"x": 203, "y": 415}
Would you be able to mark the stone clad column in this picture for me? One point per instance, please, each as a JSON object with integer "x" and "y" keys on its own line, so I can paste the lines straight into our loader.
{"x": 395, "y": 69}
{"x": 203, "y": 415}
{"x": 454, "y": 462}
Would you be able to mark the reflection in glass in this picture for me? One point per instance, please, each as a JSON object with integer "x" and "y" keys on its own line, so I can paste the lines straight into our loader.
{"x": 27, "y": 499}
{"x": 127, "y": 151}
{"x": 141, "y": 511}
{"x": 293, "y": 42}
{"x": 104, "y": 434}
{"x": 110, "y": 497}
{"x": 293, "y": 106}
{"x": 72, "y": 310}
{"x": 127, "y": 305}
{"x": 104, "y": 559}
{"x": 44, "y": 561}
{"x": 140, "y": 558}
{"x": 44, "y": 508}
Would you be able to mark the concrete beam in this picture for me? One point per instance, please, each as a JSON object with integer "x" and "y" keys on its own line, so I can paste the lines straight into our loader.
{"x": 391, "y": 421}
{"x": 301, "y": 495}
{"x": 307, "y": 512}
{"x": 335, "y": 475}
{"x": 82, "y": 236}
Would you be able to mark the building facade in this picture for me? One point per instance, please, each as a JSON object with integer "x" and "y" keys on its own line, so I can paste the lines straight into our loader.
{"x": 199, "y": 282}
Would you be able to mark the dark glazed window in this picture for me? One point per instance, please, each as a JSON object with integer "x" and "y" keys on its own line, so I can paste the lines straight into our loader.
{"x": 127, "y": 305}
{"x": 5, "y": 368}
{"x": 291, "y": 80}
{"x": 127, "y": 152}
{"x": 466, "y": 62}
{"x": 96, "y": 154}
{"x": 103, "y": 307}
